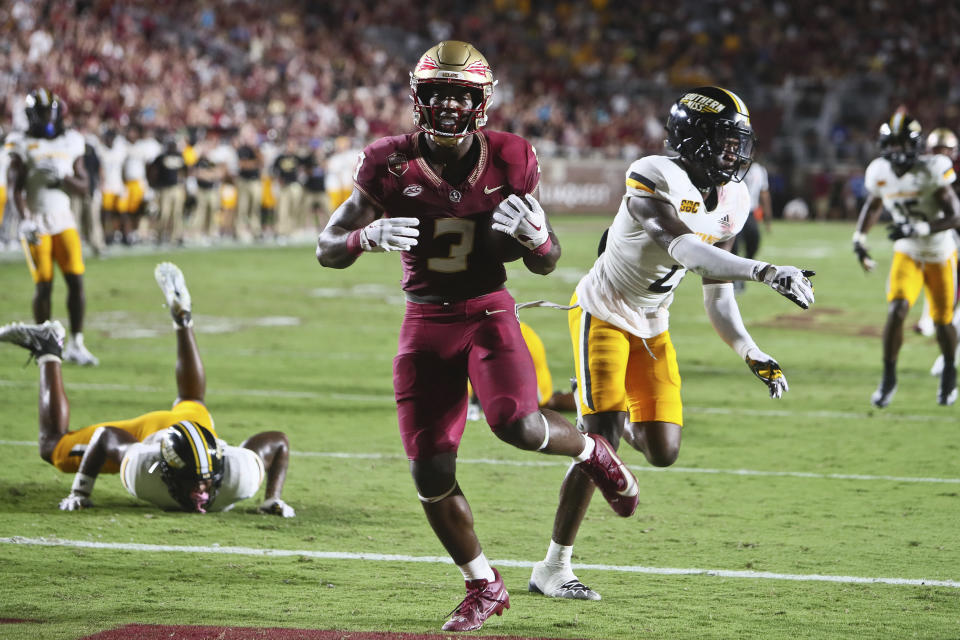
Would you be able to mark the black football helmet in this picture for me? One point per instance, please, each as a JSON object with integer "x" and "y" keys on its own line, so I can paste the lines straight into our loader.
{"x": 710, "y": 128}
{"x": 190, "y": 453}
{"x": 44, "y": 111}
{"x": 901, "y": 139}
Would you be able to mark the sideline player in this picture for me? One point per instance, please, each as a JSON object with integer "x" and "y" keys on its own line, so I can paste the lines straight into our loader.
{"x": 173, "y": 459}
{"x": 944, "y": 142}
{"x": 46, "y": 168}
{"x": 674, "y": 212}
{"x": 916, "y": 190}
{"x": 439, "y": 196}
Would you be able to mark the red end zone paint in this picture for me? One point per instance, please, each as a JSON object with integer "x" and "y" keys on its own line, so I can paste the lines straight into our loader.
{"x": 184, "y": 632}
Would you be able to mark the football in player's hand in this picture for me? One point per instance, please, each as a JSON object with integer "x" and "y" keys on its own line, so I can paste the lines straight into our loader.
{"x": 505, "y": 247}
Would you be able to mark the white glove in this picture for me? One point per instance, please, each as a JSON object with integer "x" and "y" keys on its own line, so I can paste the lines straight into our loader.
{"x": 768, "y": 370}
{"x": 390, "y": 234}
{"x": 277, "y": 507}
{"x": 792, "y": 283}
{"x": 524, "y": 221}
{"x": 75, "y": 502}
{"x": 30, "y": 231}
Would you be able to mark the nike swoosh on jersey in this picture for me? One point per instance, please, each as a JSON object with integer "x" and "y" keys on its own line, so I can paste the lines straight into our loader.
{"x": 490, "y": 313}
{"x": 488, "y": 190}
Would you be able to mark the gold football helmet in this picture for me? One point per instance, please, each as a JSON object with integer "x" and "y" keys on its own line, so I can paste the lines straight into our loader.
{"x": 457, "y": 63}
{"x": 942, "y": 140}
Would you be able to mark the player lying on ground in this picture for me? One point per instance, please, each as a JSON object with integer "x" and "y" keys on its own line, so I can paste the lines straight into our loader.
{"x": 172, "y": 459}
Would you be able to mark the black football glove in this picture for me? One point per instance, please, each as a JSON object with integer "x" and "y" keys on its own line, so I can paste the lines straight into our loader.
{"x": 769, "y": 372}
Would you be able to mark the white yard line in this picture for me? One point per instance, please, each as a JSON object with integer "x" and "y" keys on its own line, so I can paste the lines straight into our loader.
{"x": 381, "y": 557}
{"x": 554, "y": 462}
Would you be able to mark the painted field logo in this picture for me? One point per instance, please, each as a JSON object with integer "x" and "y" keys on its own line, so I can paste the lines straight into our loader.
{"x": 413, "y": 190}
{"x": 689, "y": 206}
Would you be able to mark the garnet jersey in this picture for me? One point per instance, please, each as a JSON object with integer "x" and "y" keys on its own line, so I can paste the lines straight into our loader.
{"x": 911, "y": 198}
{"x": 452, "y": 259}
{"x": 631, "y": 283}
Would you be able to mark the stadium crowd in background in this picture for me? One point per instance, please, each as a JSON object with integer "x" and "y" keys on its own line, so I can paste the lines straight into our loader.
{"x": 591, "y": 83}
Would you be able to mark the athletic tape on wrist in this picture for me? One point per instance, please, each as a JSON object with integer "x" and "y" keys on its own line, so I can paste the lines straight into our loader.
{"x": 353, "y": 242}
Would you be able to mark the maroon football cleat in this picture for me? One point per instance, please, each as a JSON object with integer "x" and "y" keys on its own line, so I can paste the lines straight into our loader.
{"x": 484, "y": 598}
{"x": 615, "y": 481}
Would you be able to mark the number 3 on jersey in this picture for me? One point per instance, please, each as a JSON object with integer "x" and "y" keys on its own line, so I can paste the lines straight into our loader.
{"x": 456, "y": 261}
{"x": 661, "y": 286}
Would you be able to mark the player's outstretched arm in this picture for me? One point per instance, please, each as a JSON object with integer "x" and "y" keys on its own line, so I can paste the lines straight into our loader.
{"x": 273, "y": 447}
{"x": 356, "y": 226}
{"x": 869, "y": 213}
{"x": 724, "y": 314}
{"x": 107, "y": 444}
{"x": 660, "y": 221}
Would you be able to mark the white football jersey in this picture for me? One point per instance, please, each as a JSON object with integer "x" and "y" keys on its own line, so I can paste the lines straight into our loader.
{"x": 111, "y": 161}
{"x": 4, "y": 165}
{"x": 757, "y": 181}
{"x": 139, "y": 155}
{"x": 631, "y": 284}
{"x": 910, "y": 197}
{"x": 48, "y": 160}
{"x": 140, "y": 474}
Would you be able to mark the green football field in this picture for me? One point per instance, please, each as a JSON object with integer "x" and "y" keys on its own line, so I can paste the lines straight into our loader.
{"x": 815, "y": 516}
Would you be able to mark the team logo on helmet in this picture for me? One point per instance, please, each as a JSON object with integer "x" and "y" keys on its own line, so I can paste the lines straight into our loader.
{"x": 710, "y": 128}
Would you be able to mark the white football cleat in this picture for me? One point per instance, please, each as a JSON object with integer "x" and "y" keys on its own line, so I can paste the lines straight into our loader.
{"x": 174, "y": 288}
{"x": 555, "y": 582}
{"x": 77, "y": 353}
{"x": 937, "y": 367}
{"x": 38, "y": 339}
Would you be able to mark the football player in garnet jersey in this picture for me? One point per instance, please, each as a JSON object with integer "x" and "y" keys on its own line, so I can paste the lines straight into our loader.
{"x": 429, "y": 195}
{"x": 916, "y": 190}
{"x": 172, "y": 459}
{"x": 674, "y": 212}
{"x": 46, "y": 168}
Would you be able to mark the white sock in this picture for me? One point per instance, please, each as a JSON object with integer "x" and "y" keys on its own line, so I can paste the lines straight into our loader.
{"x": 588, "y": 446}
{"x": 477, "y": 569}
{"x": 78, "y": 339}
{"x": 559, "y": 555}
{"x": 48, "y": 357}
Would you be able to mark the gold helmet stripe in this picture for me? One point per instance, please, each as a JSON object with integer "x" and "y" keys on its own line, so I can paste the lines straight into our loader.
{"x": 201, "y": 454}
{"x": 741, "y": 107}
{"x": 896, "y": 123}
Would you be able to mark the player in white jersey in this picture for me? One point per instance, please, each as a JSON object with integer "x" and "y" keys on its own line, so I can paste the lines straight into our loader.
{"x": 676, "y": 209}
{"x": 173, "y": 459}
{"x": 46, "y": 168}
{"x": 113, "y": 151}
{"x": 916, "y": 190}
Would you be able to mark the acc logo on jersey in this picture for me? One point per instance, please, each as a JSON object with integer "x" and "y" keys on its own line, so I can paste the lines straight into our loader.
{"x": 689, "y": 206}
{"x": 413, "y": 190}
{"x": 397, "y": 164}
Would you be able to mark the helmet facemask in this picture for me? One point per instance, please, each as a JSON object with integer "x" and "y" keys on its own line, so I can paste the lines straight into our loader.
{"x": 428, "y": 118}
{"x": 449, "y": 68}
{"x": 44, "y": 114}
{"x": 191, "y": 465}
{"x": 900, "y": 143}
